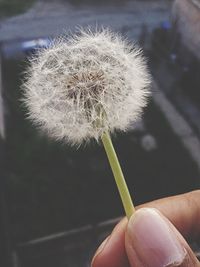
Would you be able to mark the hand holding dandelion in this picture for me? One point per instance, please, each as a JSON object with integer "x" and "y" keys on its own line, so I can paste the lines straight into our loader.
{"x": 88, "y": 87}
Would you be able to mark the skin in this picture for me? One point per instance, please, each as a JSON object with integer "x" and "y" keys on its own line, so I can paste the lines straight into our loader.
{"x": 183, "y": 211}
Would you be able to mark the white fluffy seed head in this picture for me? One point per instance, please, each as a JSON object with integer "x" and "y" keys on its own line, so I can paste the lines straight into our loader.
{"x": 85, "y": 85}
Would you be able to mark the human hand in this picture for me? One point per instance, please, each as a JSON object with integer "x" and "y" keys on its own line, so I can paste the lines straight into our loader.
{"x": 155, "y": 236}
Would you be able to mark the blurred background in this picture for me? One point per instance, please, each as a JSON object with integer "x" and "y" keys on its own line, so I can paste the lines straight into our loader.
{"x": 57, "y": 203}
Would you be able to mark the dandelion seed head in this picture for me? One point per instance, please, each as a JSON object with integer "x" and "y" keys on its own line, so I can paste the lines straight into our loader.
{"x": 85, "y": 85}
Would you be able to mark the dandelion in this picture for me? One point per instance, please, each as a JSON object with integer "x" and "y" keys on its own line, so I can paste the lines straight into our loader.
{"x": 88, "y": 86}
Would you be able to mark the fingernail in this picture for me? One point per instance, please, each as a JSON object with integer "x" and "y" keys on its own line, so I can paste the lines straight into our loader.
{"x": 154, "y": 239}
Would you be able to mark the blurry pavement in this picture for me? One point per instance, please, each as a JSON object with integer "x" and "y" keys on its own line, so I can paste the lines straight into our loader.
{"x": 52, "y": 18}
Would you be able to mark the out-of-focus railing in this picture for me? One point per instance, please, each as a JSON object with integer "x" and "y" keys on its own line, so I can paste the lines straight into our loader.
{"x": 72, "y": 248}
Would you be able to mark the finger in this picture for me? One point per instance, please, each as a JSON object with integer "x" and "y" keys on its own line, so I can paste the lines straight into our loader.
{"x": 112, "y": 250}
{"x": 183, "y": 211}
{"x": 153, "y": 241}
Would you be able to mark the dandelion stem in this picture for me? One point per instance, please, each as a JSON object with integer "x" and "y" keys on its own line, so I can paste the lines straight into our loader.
{"x": 118, "y": 175}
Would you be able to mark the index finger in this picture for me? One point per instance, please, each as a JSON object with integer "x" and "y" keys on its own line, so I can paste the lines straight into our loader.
{"x": 182, "y": 210}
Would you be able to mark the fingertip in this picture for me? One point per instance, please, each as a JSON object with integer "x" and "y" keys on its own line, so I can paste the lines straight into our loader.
{"x": 112, "y": 253}
{"x": 99, "y": 251}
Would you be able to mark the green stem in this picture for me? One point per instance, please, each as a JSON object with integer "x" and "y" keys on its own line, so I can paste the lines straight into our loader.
{"x": 118, "y": 175}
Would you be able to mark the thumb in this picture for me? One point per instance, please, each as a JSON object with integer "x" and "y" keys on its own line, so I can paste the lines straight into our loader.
{"x": 152, "y": 241}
